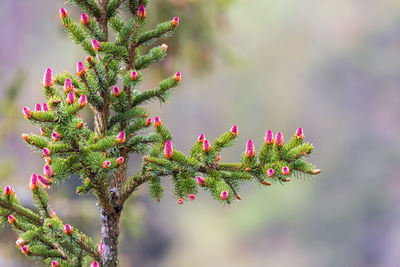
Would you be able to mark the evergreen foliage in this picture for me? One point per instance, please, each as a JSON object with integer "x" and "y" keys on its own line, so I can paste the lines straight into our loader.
{"x": 68, "y": 146}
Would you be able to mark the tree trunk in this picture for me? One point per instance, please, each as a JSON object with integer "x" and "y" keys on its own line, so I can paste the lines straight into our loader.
{"x": 110, "y": 234}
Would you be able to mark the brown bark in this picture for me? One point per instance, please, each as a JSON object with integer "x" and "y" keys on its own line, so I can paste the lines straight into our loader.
{"x": 110, "y": 234}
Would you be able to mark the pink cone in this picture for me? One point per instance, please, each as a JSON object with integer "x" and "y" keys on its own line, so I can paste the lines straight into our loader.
{"x": 192, "y": 196}
{"x": 85, "y": 19}
{"x": 80, "y": 69}
{"x": 116, "y": 91}
{"x": 250, "y": 150}
{"x": 270, "y": 173}
{"x": 141, "y": 12}
{"x": 201, "y": 138}
{"x": 82, "y": 101}
{"x": 63, "y": 13}
{"x": 45, "y": 107}
{"x": 299, "y": 133}
{"x": 269, "y": 137}
{"x": 175, "y": 21}
{"x": 178, "y": 77}
{"x": 279, "y": 139}
{"x": 224, "y": 195}
{"x": 134, "y": 75}
{"x": 121, "y": 137}
{"x": 68, "y": 85}
{"x": 95, "y": 45}
{"x": 157, "y": 121}
{"x": 234, "y": 130}
{"x": 285, "y": 170}
{"x": 48, "y": 78}
{"x": 168, "y": 149}
{"x": 47, "y": 171}
{"x": 200, "y": 180}
{"x": 206, "y": 146}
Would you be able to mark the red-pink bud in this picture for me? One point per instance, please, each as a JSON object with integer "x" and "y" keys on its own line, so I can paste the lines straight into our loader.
{"x": 11, "y": 219}
{"x": 48, "y": 78}
{"x": 70, "y": 98}
{"x": 38, "y": 107}
{"x": 250, "y": 150}
{"x": 157, "y": 121}
{"x": 8, "y": 190}
{"x": 55, "y": 264}
{"x": 270, "y": 173}
{"x": 285, "y": 170}
{"x": 25, "y": 137}
{"x": 85, "y": 19}
{"x": 224, "y": 195}
{"x": 206, "y": 146}
{"x": 25, "y": 250}
{"x": 42, "y": 132}
{"x": 79, "y": 125}
{"x": 88, "y": 59}
{"x": 45, "y": 107}
{"x": 218, "y": 158}
{"x": 63, "y": 13}
{"x": 53, "y": 214}
{"x": 134, "y": 75}
{"x": 46, "y": 183}
{"x": 192, "y": 196}
{"x": 269, "y": 137}
{"x": 201, "y": 138}
{"x": 201, "y": 181}
{"x": 95, "y": 45}
{"x": 34, "y": 182}
{"x": 106, "y": 164}
{"x": 168, "y": 149}
{"x": 94, "y": 264}
{"x": 299, "y": 133}
{"x": 279, "y": 139}
{"x": 116, "y": 91}
{"x": 82, "y": 101}
{"x": 45, "y": 152}
{"x": 316, "y": 171}
{"x": 120, "y": 161}
{"x": 20, "y": 242}
{"x": 180, "y": 200}
{"x": 234, "y": 130}
{"x": 175, "y": 21}
{"x": 27, "y": 112}
{"x": 100, "y": 247}
{"x": 178, "y": 77}
{"x": 164, "y": 47}
{"x": 141, "y": 12}
{"x": 148, "y": 122}
{"x": 56, "y": 136}
{"x": 68, "y": 229}
{"x": 47, "y": 171}
{"x": 121, "y": 137}
{"x": 80, "y": 69}
{"x": 68, "y": 85}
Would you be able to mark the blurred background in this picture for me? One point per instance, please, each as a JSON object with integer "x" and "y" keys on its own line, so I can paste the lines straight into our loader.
{"x": 331, "y": 67}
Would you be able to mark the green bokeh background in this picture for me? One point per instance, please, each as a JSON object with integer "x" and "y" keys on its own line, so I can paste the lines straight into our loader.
{"x": 331, "y": 67}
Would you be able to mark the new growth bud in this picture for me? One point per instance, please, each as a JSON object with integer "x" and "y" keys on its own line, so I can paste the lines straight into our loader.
{"x": 46, "y": 152}
{"x": 279, "y": 139}
{"x": 269, "y": 137}
{"x": 270, "y": 173}
{"x": 201, "y": 181}
{"x": 157, "y": 122}
{"x": 25, "y": 137}
{"x": 206, "y": 146}
{"x": 116, "y": 91}
{"x": 148, "y": 122}
{"x": 180, "y": 200}
{"x": 34, "y": 184}
{"x": 46, "y": 183}
{"x": 48, "y": 78}
{"x": 192, "y": 196}
{"x": 45, "y": 107}
{"x": 250, "y": 150}
{"x": 316, "y": 171}
{"x": 25, "y": 250}
{"x": 20, "y": 242}
{"x": 38, "y": 107}
{"x": 85, "y": 19}
{"x": 299, "y": 133}
{"x": 95, "y": 45}
{"x": 234, "y": 130}
{"x": 53, "y": 214}
{"x": 285, "y": 170}
{"x": 70, "y": 98}
{"x": 168, "y": 149}
{"x": 175, "y": 21}
{"x": 134, "y": 75}
{"x": 55, "y": 136}
{"x": 178, "y": 77}
{"x": 141, "y": 12}
{"x": 164, "y": 47}
{"x": 79, "y": 125}
{"x": 224, "y": 195}
{"x": 106, "y": 164}
{"x": 94, "y": 264}
{"x": 120, "y": 161}
{"x": 63, "y": 13}
{"x": 11, "y": 219}
{"x": 100, "y": 247}
{"x": 80, "y": 69}
{"x": 8, "y": 191}
{"x": 27, "y": 112}
{"x": 121, "y": 137}
{"x": 201, "y": 138}
{"x": 68, "y": 229}
{"x": 55, "y": 264}
{"x": 47, "y": 171}
{"x": 82, "y": 101}
{"x": 68, "y": 85}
